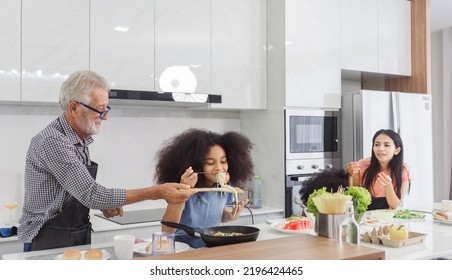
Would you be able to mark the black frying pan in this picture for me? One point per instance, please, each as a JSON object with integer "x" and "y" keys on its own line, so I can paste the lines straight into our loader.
{"x": 207, "y": 234}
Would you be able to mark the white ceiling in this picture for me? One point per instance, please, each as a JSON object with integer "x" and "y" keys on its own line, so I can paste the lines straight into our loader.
{"x": 440, "y": 14}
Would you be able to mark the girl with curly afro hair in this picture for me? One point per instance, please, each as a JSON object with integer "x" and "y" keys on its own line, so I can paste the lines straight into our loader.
{"x": 195, "y": 157}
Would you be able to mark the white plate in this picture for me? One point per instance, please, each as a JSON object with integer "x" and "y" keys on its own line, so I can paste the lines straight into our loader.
{"x": 375, "y": 222}
{"x": 105, "y": 255}
{"x": 447, "y": 222}
{"x": 439, "y": 220}
{"x": 140, "y": 248}
{"x": 279, "y": 227}
{"x": 382, "y": 215}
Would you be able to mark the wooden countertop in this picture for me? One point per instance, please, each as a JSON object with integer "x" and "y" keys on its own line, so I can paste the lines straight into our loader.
{"x": 298, "y": 247}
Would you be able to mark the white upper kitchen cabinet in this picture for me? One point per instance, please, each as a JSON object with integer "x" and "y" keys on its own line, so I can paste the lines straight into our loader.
{"x": 239, "y": 53}
{"x": 182, "y": 46}
{"x": 313, "y": 74}
{"x": 10, "y": 21}
{"x": 359, "y": 35}
{"x": 55, "y": 43}
{"x": 122, "y": 42}
{"x": 376, "y": 36}
{"x": 394, "y": 37}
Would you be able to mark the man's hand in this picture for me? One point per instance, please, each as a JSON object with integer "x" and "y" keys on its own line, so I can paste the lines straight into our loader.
{"x": 113, "y": 212}
{"x": 175, "y": 193}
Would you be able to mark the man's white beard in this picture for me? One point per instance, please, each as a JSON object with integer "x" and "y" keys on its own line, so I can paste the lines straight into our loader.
{"x": 90, "y": 128}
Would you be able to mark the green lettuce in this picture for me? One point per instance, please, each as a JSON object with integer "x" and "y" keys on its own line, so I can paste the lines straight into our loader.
{"x": 362, "y": 195}
{"x": 361, "y": 198}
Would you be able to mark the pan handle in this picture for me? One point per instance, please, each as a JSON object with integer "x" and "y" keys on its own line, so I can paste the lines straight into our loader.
{"x": 191, "y": 231}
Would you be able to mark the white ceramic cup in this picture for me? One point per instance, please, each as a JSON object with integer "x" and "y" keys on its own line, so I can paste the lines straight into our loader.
{"x": 446, "y": 205}
{"x": 124, "y": 245}
{"x": 163, "y": 243}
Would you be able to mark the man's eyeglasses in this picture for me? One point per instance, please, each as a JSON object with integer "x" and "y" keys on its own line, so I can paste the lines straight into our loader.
{"x": 102, "y": 114}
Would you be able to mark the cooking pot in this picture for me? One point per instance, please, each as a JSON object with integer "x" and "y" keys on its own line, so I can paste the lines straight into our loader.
{"x": 207, "y": 234}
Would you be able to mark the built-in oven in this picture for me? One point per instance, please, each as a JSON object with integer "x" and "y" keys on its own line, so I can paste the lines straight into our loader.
{"x": 312, "y": 145}
{"x": 298, "y": 171}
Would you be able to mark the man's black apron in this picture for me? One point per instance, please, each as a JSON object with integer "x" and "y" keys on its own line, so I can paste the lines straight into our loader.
{"x": 71, "y": 227}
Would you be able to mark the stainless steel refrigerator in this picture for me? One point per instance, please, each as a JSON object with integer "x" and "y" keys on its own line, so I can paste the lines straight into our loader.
{"x": 365, "y": 112}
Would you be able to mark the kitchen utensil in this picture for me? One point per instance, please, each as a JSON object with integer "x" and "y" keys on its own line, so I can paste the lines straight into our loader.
{"x": 446, "y": 205}
{"x": 239, "y": 190}
{"x": 140, "y": 248}
{"x": 308, "y": 215}
{"x": 163, "y": 243}
{"x": 207, "y": 234}
{"x": 327, "y": 225}
{"x": 124, "y": 245}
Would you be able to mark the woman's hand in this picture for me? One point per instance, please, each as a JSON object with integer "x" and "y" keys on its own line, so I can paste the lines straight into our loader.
{"x": 391, "y": 196}
{"x": 352, "y": 168}
{"x": 189, "y": 177}
{"x": 234, "y": 214}
{"x": 385, "y": 181}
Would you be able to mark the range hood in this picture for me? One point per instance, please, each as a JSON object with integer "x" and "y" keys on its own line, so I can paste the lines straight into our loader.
{"x": 154, "y": 98}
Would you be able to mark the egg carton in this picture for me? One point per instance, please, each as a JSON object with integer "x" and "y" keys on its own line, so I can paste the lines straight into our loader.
{"x": 381, "y": 236}
{"x": 376, "y": 235}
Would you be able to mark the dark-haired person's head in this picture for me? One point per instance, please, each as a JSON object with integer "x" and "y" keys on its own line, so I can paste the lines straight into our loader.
{"x": 387, "y": 148}
{"x": 190, "y": 148}
{"x": 397, "y": 160}
{"x": 332, "y": 179}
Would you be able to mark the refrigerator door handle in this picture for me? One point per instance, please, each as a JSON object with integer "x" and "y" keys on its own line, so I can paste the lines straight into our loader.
{"x": 395, "y": 112}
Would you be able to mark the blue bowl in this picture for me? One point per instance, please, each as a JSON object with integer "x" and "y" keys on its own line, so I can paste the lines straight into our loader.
{"x": 6, "y": 232}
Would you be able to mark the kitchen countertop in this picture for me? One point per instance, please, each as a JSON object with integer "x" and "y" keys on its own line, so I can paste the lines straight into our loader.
{"x": 437, "y": 243}
{"x": 102, "y": 225}
{"x": 289, "y": 247}
{"x": 270, "y": 245}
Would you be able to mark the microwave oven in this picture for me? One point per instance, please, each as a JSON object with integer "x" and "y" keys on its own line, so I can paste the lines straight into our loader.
{"x": 312, "y": 134}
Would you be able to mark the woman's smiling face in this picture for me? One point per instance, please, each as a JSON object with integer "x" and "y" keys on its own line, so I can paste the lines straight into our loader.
{"x": 215, "y": 161}
{"x": 384, "y": 148}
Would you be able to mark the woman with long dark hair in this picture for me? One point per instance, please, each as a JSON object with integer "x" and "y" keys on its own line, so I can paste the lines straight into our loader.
{"x": 384, "y": 174}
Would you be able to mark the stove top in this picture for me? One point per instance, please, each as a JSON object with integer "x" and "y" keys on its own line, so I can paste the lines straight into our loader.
{"x": 137, "y": 216}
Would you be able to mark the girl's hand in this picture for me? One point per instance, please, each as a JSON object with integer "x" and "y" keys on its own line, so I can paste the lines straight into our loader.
{"x": 189, "y": 177}
{"x": 234, "y": 214}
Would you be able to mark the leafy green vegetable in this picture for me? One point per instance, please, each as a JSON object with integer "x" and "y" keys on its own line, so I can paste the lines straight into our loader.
{"x": 408, "y": 214}
{"x": 362, "y": 195}
{"x": 293, "y": 217}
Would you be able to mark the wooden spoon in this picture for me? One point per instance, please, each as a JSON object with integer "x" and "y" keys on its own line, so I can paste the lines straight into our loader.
{"x": 239, "y": 190}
